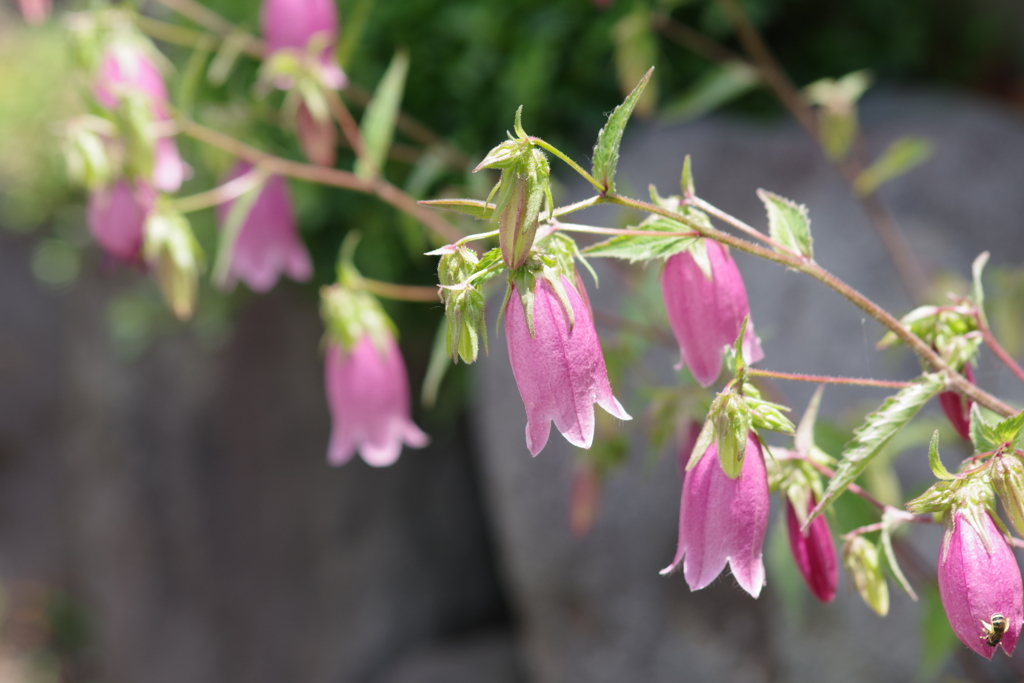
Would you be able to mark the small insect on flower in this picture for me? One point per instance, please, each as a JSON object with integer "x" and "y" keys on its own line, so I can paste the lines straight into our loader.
{"x": 993, "y": 633}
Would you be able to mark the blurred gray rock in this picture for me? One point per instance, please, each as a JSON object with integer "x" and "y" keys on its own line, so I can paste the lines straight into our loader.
{"x": 595, "y": 610}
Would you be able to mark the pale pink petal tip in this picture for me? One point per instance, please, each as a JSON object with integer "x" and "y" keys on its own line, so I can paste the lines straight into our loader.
{"x": 368, "y": 396}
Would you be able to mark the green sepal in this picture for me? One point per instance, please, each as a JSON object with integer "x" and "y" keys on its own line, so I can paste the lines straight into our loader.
{"x": 890, "y": 522}
{"x": 860, "y": 557}
{"x": 686, "y": 181}
{"x": 606, "y": 150}
{"x": 983, "y": 435}
{"x": 707, "y": 436}
{"x": 172, "y": 251}
{"x": 768, "y": 415}
{"x": 978, "y": 289}
{"x": 350, "y": 314}
{"x": 471, "y": 207}
{"x": 935, "y": 462}
{"x": 1007, "y": 475}
{"x": 732, "y": 424}
{"x": 938, "y": 497}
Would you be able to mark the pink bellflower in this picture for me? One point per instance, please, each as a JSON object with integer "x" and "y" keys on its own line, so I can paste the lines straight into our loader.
{"x": 35, "y": 11}
{"x": 124, "y": 70}
{"x": 560, "y": 371}
{"x": 814, "y": 552}
{"x": 368, "y": 396}
{"x": 706, "y": 315}
{"x": 267, "y": 243}
{"x": 978, "y": 580}
{"x": 723, "y": 520}
{"x": 116, "y": 216}
{"x": 293, "y": 24}
{"x": 958, "y": 408}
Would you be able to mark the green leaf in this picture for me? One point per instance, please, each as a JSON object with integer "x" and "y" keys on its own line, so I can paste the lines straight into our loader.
{"x": 1009, "y": 430}
{"x": 378, "y": 124}
{"x": 788, "y": 223}
{"x": 606, "y": 151}
{"x": 718, "y": 86}
{"x": 686, "y": 182}
{"x": 983, "y": 436}
{"x": 635, "y": 248}
{"x": 979, "y": 291}
{"x": 901, "y": 156}
{"x": 878, "y": 428}
{"x": 471, "y": 207}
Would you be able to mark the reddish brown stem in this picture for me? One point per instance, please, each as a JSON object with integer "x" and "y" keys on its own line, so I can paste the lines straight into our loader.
{"x": 824, "y": 379}
{"x": 998, "y": 349}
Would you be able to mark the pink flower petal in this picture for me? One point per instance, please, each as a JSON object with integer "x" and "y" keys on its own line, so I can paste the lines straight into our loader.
{"x": 116, "y": 216}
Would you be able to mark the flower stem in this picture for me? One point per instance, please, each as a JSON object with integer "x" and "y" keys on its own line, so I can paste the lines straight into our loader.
{"x": 824, "y": 379}
{"x": 740, "y": 225}
{"x": 923, "y": 350}
{"x": 998, "y": 349}
{"x": 229, "y": 191}
{"x": 390, "y": 290}
{"x": 323, "y": 175}
{"x": 572, "y": 164}
{"x": 348, "y": 125}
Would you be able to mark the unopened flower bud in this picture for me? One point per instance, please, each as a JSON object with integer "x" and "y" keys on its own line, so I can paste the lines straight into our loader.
{"x": 861, "y": 559}
{"x": 521, "y": 191}
{"x": 173, "y": 253}
{"x": 1007, "y": 476}
{"x": 958, "y": 408}
{"x": 813, "y": 550}
{"x": 732, "y": 424}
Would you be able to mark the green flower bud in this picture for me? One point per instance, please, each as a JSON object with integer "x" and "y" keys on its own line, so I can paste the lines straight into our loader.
{"x": 350, "y": 314}
{"x": 861, "y": 559}
{"x": 176, "y": 258}
{"x": 1007, "y": 475}
{"x": 731, "y": 426}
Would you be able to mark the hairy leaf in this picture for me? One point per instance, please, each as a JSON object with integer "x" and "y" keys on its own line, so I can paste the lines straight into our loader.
{"x": 606, "y": 151}
{"x": 635, "y": 248}
{"x": 878, "y": 428}
{"x": 983, "y": 436}
{"x": 788, "y": 223}
{"x": 901, "y": 156}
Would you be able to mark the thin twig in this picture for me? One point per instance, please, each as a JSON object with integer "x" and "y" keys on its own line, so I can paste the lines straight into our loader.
{"x": 326, "y": 176}
{"x": 824, "y": 379}
{"x": 739, "y": 225}
{"x": 348, "y": 125}
{"x": 808, "y": 267}
{"x": 390, "y": 290}
{"x": 229, "y": 191}
{"x": 594, "y": 230}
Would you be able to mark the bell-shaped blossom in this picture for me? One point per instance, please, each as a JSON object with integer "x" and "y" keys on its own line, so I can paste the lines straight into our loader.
{"x": 560, "y": 371}
{"x": 368, "y": 396}
{"x": 292, "y": 24}
{"x": 116, "y": 216}
{"x": 35, "y": 11}
{"x": 958, "y": 408}
{"x": 706, "y": 315}
{"x": 723, "y": 520}
{"x": 979, "y": 579}
{"x": 125, "y": 70}
{"x": 267, "y": 243}
{"x": 813, "y": 552}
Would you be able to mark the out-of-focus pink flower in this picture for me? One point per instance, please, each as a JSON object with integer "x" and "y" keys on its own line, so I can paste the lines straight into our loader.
{"x": 958, "y": 408}
{"x": 814, "y": 552}
{"x": 318, "y": 139}
{"x": 723, "y": 520}
{"x": 560, "y": 372}
{"x": 126, "y": 69}
{"x": 368, "y": 395}
{"x": 706, "y": 316}
{"x": 35, "y": 11}
{"x": 116, "y": 215}
{"x": 978, "y": 579}
{"x": 292, "y": 24}
{"x": 267, "y": 243}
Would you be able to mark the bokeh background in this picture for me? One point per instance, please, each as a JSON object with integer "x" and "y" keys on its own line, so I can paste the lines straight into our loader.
{"x": 166, "y": 512}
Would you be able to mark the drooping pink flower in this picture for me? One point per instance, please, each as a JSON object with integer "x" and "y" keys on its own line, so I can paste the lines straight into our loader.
{"x": 268, "y": 243}
{"x": 958, "y": 408}
{"x": 292, "y": 24}
{"x": 35, "y": 11}
{"x": 126, "y": 69}
{"x": 560, "y": 372}
{"x": 706, "y": 316}
{"x": 814, "y": 552}
{"x": 723, "y": 520}
{"x": 978, "y": 579}
{"x": 368, "y": 395}
{"x": 116, "y": 215}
